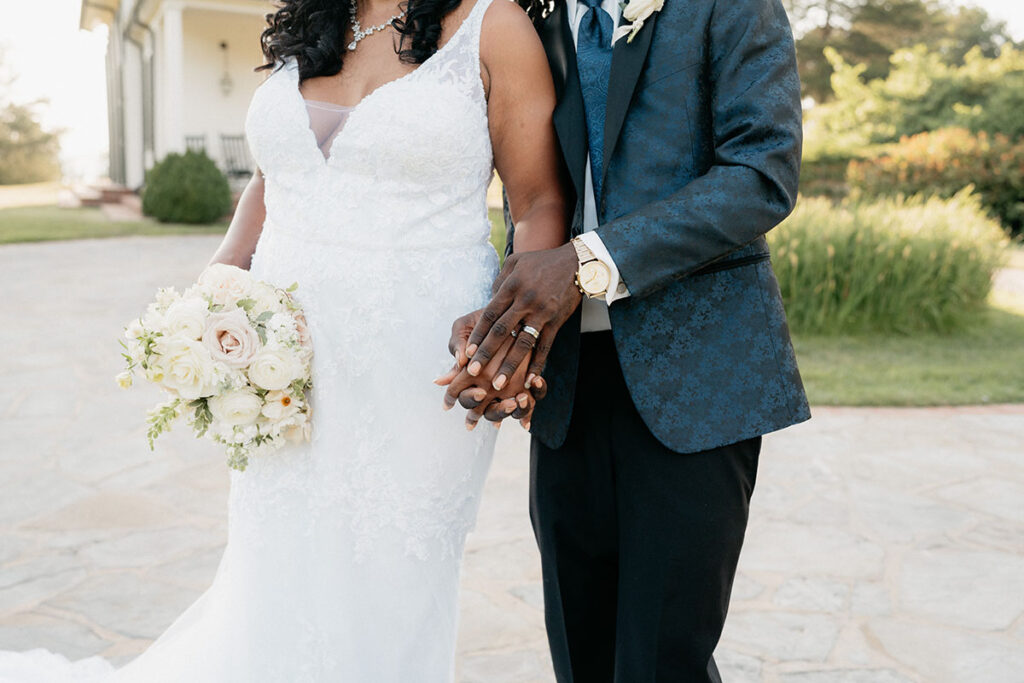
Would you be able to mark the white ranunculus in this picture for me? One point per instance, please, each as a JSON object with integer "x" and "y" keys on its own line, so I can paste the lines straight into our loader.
{"x": 231, "y": 339}
{"x": 274, "y": 369}
{"x": 641, "y": 9}
{"x": 237, "y": 407}
{"x": 226, "y": 284}
{"x": 186, "y": 317}
{"x": 185, "y": 367}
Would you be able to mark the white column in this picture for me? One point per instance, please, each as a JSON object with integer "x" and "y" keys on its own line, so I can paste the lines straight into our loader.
{"x": 132, "y": 83}
{"x": 171, "y": 109}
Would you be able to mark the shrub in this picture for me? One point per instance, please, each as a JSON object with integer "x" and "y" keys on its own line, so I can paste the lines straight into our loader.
{"x": 889, "y": 265}
{"x": 186, "y": 188}
{"x": 944, "y": 163}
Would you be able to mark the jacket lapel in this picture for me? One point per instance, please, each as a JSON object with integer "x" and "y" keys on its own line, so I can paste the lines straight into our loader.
{"x": 569, "y": 117}
{"x": 627, "y": 64}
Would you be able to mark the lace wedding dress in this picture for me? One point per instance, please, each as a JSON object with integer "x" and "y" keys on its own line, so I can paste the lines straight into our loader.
{"x": 343, "y": 557}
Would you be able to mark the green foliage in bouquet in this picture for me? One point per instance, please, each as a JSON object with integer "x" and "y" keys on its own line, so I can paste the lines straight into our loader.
{"x": 945, "y": 162}
{"x": 889, "y": 265}
{"x": 186, "y": 188}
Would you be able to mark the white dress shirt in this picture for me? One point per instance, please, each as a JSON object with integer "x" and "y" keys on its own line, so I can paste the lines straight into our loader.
{"x": 595, "y": 311}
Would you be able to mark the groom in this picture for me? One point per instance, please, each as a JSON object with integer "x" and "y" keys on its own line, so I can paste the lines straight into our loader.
{"x": 683, "y": 146}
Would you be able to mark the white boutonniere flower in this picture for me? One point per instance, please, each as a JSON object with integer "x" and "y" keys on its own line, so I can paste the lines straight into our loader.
{"x": 636, "y": 12}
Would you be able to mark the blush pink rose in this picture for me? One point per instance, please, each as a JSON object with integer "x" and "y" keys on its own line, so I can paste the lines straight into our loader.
{"x": 231, "y": 339}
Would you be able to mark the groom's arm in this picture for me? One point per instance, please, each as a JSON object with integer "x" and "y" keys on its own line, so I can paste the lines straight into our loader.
{"x": 752, "y": 185}
{"x": 748, "y": 190}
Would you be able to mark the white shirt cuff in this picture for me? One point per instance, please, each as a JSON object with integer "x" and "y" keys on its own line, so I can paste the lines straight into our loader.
{"x": 616, "y": 287}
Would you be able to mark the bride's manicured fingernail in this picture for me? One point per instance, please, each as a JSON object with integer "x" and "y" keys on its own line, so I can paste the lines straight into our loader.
{"x": 529, "y": 380}
{"x": 474, "y": 368}
{"x": 499, "y": 382}
{"x": 471, "y": 349}
{"x": 523, "y": 401}
{"x": 470, "y": 426}
{"x": 479, "y": 394}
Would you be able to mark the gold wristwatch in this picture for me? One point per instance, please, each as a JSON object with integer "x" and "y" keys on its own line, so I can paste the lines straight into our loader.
{"x": 593, "y": 275}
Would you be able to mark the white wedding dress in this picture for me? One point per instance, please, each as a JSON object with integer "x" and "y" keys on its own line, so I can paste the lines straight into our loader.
{"x": 343, "y": 557}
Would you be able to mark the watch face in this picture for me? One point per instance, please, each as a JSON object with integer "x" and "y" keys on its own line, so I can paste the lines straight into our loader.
{"x": 594, "y": 278}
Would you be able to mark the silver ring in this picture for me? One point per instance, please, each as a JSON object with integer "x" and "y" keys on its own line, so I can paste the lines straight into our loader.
{"x": 532, "y": 331}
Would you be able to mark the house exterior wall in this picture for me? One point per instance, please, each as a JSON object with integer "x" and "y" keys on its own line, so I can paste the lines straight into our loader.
{"x": 207, "y": 109}
{"x": 164, "y": 67}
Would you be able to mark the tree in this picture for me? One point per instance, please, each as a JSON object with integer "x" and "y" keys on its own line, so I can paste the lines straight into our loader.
{"x": 869, "y": 32}
{"x": 28, "y": 153}
{"x": 920, "y": 93}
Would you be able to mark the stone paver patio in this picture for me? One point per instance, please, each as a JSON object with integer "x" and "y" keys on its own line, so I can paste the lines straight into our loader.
{"x": 885, "y": 545}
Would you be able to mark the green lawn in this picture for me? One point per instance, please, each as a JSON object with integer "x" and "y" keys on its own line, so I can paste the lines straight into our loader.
{"x": 44, "y": 223}
{"x": 984, "y": 364}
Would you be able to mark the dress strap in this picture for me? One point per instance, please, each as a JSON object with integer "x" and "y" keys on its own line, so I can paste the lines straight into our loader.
{"x": 475, "y": 22}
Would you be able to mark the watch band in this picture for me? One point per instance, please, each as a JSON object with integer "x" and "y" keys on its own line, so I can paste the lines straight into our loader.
{"x": 583, "y": 252}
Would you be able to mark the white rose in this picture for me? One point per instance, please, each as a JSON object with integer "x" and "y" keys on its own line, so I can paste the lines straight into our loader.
{"x": 237, "y": 407}
{"x": 641, "y": 9}
{"x": 231, "y": 339}
{"x": 274, "y": 369}
{"x": 185, "y": 367}
{"x": 186, "y": 317}
{"x": 226, "y": 284}
{"x": 279, "y": 405}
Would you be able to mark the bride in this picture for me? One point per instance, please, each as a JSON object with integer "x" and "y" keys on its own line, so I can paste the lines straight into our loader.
{"x": 376, "y": 132}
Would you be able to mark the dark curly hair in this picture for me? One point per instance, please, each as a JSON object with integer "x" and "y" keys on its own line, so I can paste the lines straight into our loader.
{"x": 313, "y": 31}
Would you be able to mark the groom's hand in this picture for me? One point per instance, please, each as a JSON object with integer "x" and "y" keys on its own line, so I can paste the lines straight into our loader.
{"x": 535, "y": 289}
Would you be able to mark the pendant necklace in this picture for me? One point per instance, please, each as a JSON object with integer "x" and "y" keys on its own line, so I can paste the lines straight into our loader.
{"x": 357, "y": 30}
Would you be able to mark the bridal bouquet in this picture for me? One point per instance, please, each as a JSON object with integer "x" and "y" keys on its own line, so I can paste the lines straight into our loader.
{"x": 234, "y": 355}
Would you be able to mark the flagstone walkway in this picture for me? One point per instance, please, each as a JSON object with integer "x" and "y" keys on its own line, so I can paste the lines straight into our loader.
{"x": 886, "y": 545}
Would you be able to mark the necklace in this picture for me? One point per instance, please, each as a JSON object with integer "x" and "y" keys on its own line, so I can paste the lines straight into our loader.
{"x": 357, "y": 30}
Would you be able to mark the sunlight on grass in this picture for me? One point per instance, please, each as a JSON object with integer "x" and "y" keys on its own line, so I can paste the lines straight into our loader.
{"x": 32, "y": 194}
{"x": 45, "y": 223}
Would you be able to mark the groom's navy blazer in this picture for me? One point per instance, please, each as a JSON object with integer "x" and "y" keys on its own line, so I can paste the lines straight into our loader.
{"x": 702, "y": 155}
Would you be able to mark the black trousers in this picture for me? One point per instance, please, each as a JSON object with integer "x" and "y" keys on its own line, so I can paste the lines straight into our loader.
{"x": 639, "y": 544}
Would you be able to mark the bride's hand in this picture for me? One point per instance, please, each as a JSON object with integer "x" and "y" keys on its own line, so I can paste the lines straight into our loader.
{"x": 478, "y": 396}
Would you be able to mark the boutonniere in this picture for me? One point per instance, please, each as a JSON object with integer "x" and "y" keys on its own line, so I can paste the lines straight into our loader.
{"x": 636, "y": 12}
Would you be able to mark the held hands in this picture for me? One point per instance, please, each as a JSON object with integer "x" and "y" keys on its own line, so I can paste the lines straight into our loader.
{"x": 479, "y": 397}
{"x": 494, "y": 353}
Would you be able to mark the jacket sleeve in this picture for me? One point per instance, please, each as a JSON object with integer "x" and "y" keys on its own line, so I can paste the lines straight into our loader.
{"x": 752, "y": 184}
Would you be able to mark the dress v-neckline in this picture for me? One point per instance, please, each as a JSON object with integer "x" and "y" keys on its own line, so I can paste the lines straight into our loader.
{"x": 292, "y": 68}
